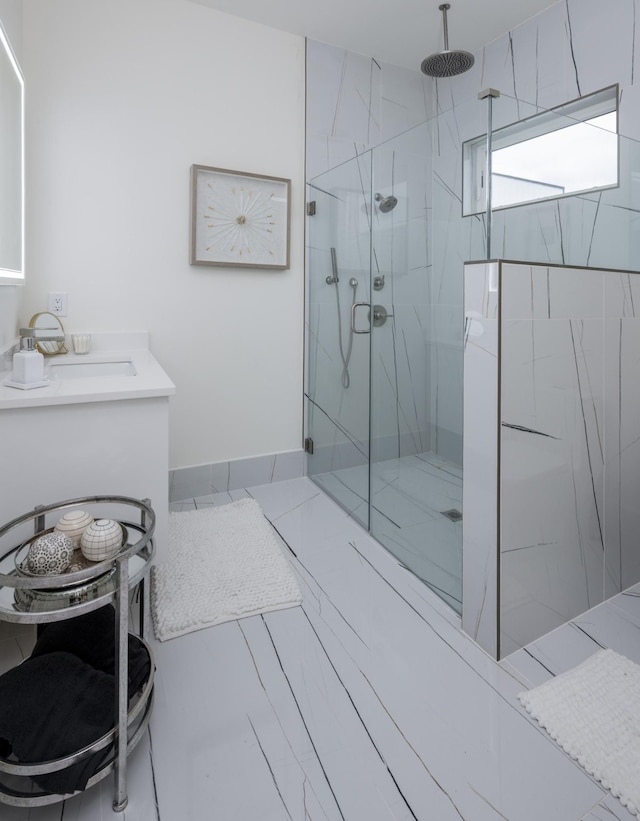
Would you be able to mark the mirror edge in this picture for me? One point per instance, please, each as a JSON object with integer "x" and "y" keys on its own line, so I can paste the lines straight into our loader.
{"x": 9, "y": 276}
{"x": 49, "y": 348}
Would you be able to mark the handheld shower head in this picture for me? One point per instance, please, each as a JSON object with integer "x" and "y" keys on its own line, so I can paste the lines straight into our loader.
{"x": 386, "y": 204}
{"x": 333, "y": 279}
{"x": 447, "y": 63}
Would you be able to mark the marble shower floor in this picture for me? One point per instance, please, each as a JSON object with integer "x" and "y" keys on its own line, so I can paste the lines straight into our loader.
{"x": 408, "y": 498}
{"x": 365, "y": 703}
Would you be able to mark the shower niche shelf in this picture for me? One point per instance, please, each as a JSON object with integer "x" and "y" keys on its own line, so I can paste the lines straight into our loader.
{"x": 29, "y": 599}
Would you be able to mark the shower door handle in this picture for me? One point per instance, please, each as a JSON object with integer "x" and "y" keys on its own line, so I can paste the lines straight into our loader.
{"x": 353, "y": 317}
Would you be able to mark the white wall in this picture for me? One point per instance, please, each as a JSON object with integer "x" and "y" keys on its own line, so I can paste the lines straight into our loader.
{"x": 122, "y": 97}
{"x": 11, "y": 296}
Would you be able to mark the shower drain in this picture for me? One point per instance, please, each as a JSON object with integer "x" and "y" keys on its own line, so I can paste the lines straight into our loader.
{"x": 452, "y": 514}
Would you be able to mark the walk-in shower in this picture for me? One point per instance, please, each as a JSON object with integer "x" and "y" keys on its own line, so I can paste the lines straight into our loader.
{"x": 388, "y": 440}
{"x": 381, "y": 413}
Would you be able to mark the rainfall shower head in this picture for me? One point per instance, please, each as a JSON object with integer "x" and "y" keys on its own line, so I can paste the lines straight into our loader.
{"x": 447, "y": 63}
{"x": 386, "y": 204}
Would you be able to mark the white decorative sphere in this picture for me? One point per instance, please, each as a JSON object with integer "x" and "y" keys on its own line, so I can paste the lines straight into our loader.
{"x": 101, "y": 540}
{"x": 73, "y": 525}
{"x": 50, "y": 554}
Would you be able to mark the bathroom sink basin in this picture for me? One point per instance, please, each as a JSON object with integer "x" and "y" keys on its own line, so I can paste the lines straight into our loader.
{"x": 84, "y": 370}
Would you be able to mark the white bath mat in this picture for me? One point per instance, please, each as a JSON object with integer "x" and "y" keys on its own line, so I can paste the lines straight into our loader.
{"x": 593, "y": 713}
{"x": 224, "y": 563}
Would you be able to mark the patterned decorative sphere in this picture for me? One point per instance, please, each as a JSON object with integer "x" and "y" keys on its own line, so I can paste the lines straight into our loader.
{"x": 101, "y": 540}
{"x": 50, "y": 554}
{"x": 73, "y": 524}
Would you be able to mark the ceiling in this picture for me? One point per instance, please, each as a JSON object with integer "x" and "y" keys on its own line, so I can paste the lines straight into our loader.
{"x": 401, "y": 32}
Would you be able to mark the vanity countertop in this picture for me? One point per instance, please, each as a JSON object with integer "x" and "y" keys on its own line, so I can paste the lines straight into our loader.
{"x": 150, "y": 380}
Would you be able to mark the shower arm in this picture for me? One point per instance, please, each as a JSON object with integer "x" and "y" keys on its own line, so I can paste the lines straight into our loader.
{"x": 444, "y": 8}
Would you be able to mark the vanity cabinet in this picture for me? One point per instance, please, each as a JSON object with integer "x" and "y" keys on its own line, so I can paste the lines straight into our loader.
{"x": 97, "y": 434}
{"x": 30, "y": 599}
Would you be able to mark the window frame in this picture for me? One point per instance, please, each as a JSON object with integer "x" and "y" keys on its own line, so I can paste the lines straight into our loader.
{"x": 474, "y": 151}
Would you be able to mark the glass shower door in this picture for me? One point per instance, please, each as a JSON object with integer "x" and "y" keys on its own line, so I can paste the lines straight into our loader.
{"x": 416, "y": 472}
{"x": 384, "y": 357}
{"x": 338, "y": 356}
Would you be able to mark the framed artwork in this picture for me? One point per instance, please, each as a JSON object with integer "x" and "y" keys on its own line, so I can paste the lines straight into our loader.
{"x": 239, "y": 219}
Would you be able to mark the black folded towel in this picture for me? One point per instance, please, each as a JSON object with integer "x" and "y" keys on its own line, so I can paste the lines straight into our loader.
{"x": 63, "y": 697}
{"x": 52, "y": 706}
{"x": 91, "y": 637}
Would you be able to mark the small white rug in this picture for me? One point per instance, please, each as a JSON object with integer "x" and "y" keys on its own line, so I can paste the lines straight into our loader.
{"x": 224, "y": 563}
{"x": 593, "y": 713}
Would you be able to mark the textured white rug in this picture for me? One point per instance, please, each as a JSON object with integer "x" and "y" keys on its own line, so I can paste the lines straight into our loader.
{"x": 593, "y": 713}
{"x": 224, "y": 563}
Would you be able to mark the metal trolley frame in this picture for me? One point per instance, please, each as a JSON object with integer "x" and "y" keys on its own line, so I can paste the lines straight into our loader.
{"x": 30, "y": 599}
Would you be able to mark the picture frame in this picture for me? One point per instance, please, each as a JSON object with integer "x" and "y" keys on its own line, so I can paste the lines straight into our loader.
{"x": 239, "y": 219}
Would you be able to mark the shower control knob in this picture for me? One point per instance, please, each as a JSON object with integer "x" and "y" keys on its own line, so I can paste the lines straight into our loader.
{"x": 380, "y": 315}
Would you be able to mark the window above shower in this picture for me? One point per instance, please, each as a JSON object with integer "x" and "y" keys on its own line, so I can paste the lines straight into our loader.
{"x": 559, "y": 152}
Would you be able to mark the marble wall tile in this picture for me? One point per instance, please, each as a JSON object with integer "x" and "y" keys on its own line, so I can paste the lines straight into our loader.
{"x": 621, "y": 295}
{"x": 569, "y": 453}
{"x": 480, "y": 487}
{"x": 343, "y": 118}
{"x": 621, "y": 437}
{"x": 405, "y": 101}
{"x": 356, "y": 102}
{"x": 551, "y": 543}
{"x": 599, "y": 29}
{"x": 200, "y": 480}
{"x": 596, "y": 230}
{"x": 186, "y": 483}
{"x": 538, "y": 292}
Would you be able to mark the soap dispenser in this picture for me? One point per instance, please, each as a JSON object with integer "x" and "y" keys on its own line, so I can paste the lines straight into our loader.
{"x": 28, "y": 367}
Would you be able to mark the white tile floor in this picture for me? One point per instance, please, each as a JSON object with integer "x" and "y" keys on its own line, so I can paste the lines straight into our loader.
{"x": 408, "y": 498}
{"x": 365, "y": 703}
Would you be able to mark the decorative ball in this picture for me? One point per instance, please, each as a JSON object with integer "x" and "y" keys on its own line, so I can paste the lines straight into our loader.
{"x": 50, "y": 554}
{"x": 73, "y": 525}
{"x": 101, "y": 540}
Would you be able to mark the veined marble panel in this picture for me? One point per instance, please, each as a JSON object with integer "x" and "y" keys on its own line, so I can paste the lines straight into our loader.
{"x": 343, "y": 110}
{"x": 355, "y": 102}
{"x": 552, "y": 544}
{"x": 622, "y": 450}
{"x": 480, "y": 457}
{"x": 218, "y": 477}
{"x": 569, "y": 449}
